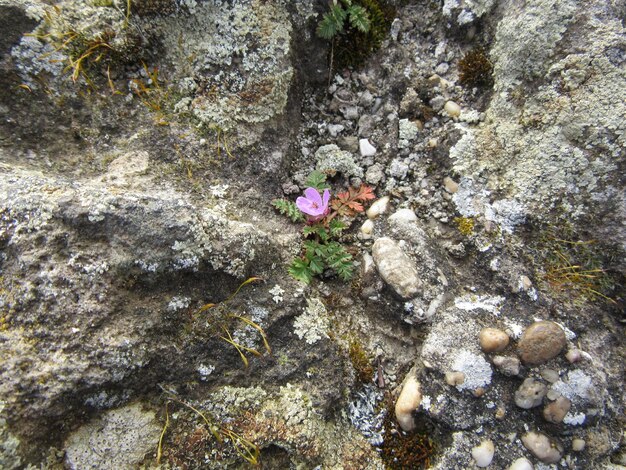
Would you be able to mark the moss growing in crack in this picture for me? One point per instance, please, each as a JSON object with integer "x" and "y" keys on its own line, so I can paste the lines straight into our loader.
{"x": 475, "y": 69}
{"x": 360, "y": 361}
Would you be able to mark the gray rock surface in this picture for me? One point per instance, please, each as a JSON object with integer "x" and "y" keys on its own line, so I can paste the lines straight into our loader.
{"x": 141, "y": 150}
{"x": 118, "y": 439}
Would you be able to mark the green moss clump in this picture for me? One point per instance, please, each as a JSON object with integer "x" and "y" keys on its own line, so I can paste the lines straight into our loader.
{"x": 360, "y": 361}
{"x": 475, "y": 69}
{"x": 353, "y": 48}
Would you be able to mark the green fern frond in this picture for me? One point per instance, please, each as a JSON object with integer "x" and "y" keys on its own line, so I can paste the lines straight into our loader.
{"x": 317, "y": 180}
{"x": 339, "y": 260}
{"x": 289, "y": 209}
{"x": 359, "y": 18}
{"x": 336, "y": 227}
{"x": 300, "y": 270}
{"x": 332, "y": 22}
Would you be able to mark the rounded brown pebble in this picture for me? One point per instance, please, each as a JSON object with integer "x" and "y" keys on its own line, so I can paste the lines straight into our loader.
{"x": 555, "y": 412}
{"x": 493, "y": 340}
{"x": 541, "y": 342}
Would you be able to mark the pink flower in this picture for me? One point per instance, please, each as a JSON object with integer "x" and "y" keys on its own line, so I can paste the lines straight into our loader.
{"x": 313, "y": 205}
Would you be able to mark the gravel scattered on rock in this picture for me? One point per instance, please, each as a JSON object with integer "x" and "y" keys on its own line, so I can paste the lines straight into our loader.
{"x": 483, "y": 454}
{"x": 378, "y": 207}
{"x": 507, "y": 365}
{"x": 555, "y": 411}
{"x": 521, "y": 464}
{"x": 408, "y": 401}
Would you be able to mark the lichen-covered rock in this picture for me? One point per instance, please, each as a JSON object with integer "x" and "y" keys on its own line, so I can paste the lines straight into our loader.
{"x": 395, "y": 267}
{"x": 119, "y": 438}
{"x": 78, "y": 261}
{"x": 561, "y": 136}
{"x": 331, "y": 159}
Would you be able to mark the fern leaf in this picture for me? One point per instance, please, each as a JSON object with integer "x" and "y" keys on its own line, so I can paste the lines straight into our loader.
{"x": 316, "y": 265}
{"x": 317, "y": 229}
{"x": 359, "y": 18}
{"x": 336, "y": 227}
{"x": 300, "y": 270}
{"x": 317, "y": 180}
{"x": 289, "y": 209}
{"x": 339, "y": 260}
{"x": 332, "y": 23}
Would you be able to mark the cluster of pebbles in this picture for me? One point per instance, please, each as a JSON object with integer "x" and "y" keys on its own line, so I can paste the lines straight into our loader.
{"x": 540, "y": 342}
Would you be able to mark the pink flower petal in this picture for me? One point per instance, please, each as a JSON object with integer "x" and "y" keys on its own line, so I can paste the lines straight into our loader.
{"x": 313, "y": 195}
{"x": 304, "y": 205}
{"x": 326, "y": 199}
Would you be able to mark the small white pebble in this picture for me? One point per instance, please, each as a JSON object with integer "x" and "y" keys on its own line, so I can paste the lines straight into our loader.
{"x": 483, "y": 454}
{"x": 367, "y": 228}
{"x": 455, "y": 378}
{"x": 378, "y": 207}
{"x": 526, "y": 282}
{"x": 453, "y": 109}
{"x": 578, "y": 444}
{"x": 573, "y": 355}
{"x": 366, "y": 149}
{"x": 493, "y": 340}
{"x": 450, "y": 185}
{"x": 521, "y": 464}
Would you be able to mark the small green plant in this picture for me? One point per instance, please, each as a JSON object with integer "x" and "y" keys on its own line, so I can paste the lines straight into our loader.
{"x": 222, "y": 320}
{"x": 92, "y": 51}
{"x": 321, "y": 249}
{"x": 333, "y": 22}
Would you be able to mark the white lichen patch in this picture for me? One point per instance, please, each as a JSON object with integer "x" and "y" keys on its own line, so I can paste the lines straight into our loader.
{"x": 476, "y": 369}
{"x": 205, "y": 371}
{"x": 313, "y": 324}
{"x": 247, "y": 335}
{"x": 365, "y": 413}
{"x": 577, "y": 387}
{"x": 178, "y": 303}
{"x": 277, "y": 293}
{"x": 575, "y": 419}
{"x": 470, "y": 302}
